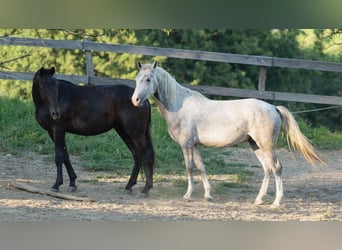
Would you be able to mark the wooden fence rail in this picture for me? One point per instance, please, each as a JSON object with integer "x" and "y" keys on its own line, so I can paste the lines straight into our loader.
{"x": 262, "y": 61}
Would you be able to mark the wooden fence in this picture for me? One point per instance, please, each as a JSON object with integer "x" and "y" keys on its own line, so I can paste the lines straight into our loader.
{"x": 262, "y": 61}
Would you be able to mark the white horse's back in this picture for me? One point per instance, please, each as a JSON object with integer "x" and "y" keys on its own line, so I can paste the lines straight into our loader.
{"x": 225, "y": 123}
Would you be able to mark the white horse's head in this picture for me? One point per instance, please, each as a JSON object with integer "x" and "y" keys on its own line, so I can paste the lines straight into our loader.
{"x": 146, "y": 83}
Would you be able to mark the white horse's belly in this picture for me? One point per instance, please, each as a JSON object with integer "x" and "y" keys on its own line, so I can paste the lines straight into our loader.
{"x": 221, "y": 137}
{"x": 223, "y": 123}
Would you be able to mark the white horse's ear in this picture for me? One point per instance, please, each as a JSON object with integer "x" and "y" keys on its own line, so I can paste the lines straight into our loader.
{"x": 154, "y": 65}
{"x": 139, "y": 64}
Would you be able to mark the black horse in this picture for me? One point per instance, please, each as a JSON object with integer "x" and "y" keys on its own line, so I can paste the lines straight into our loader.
{"x": 61, "y": 106}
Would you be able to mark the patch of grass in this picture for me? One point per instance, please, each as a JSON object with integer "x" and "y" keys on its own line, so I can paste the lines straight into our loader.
{"x": 231, "y": 185}
{"x": 18, "y": 129}
{"x": 19, "y": 132}
{"x": 92, "y": 181}
{"x": 180, "y": 182}
{"x": 225, "y": 187}
{"x": 106, "y": 175}
{"x": 160, "y": 178}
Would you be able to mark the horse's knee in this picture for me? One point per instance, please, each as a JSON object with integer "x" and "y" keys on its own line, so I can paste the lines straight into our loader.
{"x": 59, "y": 156}
{"x": 278, "y": 168}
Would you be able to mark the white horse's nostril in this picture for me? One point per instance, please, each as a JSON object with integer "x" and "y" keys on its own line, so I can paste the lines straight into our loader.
{"x": 136, "y": 101}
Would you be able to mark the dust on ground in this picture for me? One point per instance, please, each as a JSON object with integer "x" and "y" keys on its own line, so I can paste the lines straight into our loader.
{"x": 309, "y": 194}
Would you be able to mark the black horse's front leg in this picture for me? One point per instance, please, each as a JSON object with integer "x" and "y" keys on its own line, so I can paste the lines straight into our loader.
{"x": 70, "y": 170}
{"x": 62, "y": 156}
{"x": 59, "y": 165}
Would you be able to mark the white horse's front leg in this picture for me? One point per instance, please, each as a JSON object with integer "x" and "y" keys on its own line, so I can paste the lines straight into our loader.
{"x": 200, "y": 166}
{"x": 188, "y": 158}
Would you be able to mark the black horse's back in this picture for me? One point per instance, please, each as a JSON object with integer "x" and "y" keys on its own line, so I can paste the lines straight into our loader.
{"x": 62, "y": 107}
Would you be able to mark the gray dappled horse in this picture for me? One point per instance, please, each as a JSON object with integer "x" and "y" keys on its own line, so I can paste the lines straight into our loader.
{"x": 194, "y": 119}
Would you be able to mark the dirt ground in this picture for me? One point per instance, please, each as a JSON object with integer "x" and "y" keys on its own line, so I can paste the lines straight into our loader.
{"x": 309, "y": 194}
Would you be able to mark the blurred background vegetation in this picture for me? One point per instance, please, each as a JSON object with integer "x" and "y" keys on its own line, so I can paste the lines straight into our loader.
{"x": 324, "y": 45}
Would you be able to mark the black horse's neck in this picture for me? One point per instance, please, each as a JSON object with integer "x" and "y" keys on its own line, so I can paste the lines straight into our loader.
{"x": 36, "y": 95}
{"x": 37, "y": 100}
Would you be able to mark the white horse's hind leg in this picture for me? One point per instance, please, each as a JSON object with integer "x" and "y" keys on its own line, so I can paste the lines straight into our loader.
{"x": 277, "y": 171}
{"x": 188, "y": 158}
{"x": 269, "y": 163}
{"x": 263, "y": 189}
{"x": 200, "y": 166}
{"x": 264, "y": 186}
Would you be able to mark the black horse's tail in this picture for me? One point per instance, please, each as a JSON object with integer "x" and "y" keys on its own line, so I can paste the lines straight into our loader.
{"x": 150, "y": 152}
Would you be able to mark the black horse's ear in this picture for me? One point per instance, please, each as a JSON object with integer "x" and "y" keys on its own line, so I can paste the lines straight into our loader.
{"x": 40, "y": 71}
{"x": 139, "y": 64}
{"x": 154, "y": 65}
{"x": 52, "y": 70}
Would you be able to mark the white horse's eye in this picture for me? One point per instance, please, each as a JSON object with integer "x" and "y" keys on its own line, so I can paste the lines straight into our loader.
{"x": 148, "y": 79}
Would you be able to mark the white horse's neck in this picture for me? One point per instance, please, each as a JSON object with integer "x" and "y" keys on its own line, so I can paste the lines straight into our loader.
{"x": 169, "y": 93}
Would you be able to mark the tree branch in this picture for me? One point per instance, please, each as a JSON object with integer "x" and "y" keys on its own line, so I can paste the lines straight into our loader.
{"x": 12, "y": 60}
{"x": 31, "y": 189}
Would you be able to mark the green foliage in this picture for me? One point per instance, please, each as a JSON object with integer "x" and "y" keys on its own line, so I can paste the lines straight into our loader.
{"x": 287, "y": 43}
{"x": 321, "y": 135}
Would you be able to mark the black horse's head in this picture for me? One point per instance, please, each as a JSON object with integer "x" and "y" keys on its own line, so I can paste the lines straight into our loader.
{"x": 47, "y": 88}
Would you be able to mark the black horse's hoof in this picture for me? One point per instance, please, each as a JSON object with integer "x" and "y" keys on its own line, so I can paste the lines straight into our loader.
{"x": 144, "y": 195}
{"x": 128, "y": 191}
{"x": 72, "y": 189}
{"x": 55, "y": 190}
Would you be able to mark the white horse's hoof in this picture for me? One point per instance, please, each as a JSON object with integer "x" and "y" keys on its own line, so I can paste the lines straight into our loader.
{"x": 209, "y": 198}
{"x": 259, "y": 202}
{"x": 275, "y": 205}
{"x": 186, "y": 198}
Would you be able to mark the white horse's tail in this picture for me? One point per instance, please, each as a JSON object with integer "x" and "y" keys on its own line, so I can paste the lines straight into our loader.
{"x": 296, "y": 139}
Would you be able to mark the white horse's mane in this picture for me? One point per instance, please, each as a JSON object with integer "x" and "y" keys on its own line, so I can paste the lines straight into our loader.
{"x": 168, "y": 85}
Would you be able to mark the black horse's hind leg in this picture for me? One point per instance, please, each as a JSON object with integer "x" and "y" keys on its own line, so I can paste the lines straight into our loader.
{"x": 137, "y": 159}
{"x": 134, "y": 174}
{"x": 148, "y": 163}
{"x": 144, "y": 153}
{"x": 145, "y": 156}
{"x": 136, "y": 168}
{"x": 61, "y": 156}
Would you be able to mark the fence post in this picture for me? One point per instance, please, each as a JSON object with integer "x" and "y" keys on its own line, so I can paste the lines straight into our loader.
{"x": 89, "y": 64}
{"x": 262, "y": 79}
